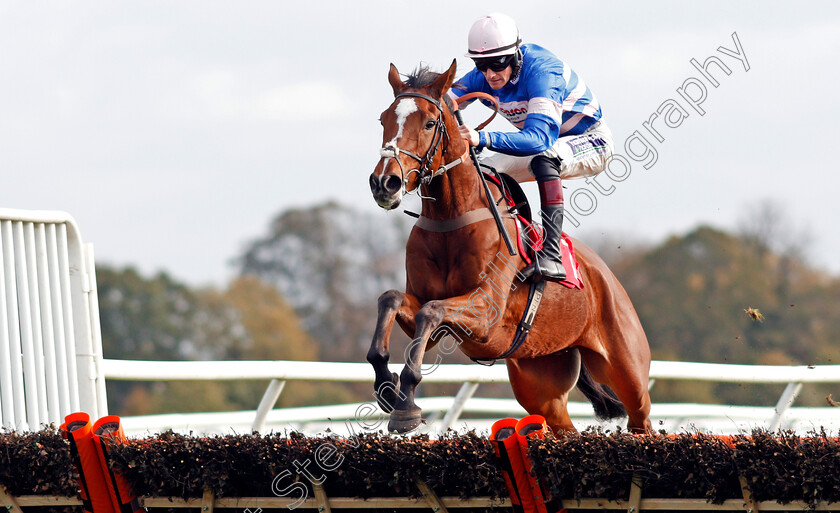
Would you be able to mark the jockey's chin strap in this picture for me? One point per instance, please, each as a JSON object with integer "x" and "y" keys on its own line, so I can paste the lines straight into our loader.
{"x": 425, "y": 170}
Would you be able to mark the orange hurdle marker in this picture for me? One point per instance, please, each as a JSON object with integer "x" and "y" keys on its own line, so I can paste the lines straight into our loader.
{"x": 92, "y": 485}
{"x": 506, "y": 447}
{"x": 105, "y": 431}
{"x": 534, "y": 426}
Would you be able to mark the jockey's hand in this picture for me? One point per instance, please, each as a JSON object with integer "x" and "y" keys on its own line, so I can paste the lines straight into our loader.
{"x": 469, "y": 135}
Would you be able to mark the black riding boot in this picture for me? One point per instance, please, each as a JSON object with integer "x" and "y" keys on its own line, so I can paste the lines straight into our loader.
{"x": 547, "y": 262}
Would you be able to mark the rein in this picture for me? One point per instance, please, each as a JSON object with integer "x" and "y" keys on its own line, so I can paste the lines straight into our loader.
{"x": 481, "y": 96}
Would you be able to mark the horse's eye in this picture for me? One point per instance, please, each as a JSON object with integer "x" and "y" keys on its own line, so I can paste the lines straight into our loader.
{"x": 430, "y": 124}
{"x": 381, "y": 122}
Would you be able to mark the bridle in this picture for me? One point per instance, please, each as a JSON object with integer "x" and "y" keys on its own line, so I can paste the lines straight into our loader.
{"x": 391, "y": 150}
{"x": 425, "y": 170}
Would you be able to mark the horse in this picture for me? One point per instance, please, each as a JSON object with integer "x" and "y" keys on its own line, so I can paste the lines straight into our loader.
{"x": 461, "y": 287}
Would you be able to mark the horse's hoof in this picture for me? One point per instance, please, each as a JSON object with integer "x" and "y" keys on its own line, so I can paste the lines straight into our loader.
{"x": 386, "y": 393}
{"x": 403, "y": 421}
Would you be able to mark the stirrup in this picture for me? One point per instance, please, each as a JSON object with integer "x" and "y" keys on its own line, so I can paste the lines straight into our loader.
{"x": 535, "y": 272}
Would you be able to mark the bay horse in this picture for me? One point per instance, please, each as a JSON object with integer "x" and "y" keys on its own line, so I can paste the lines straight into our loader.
{"x": 462, "y": 286}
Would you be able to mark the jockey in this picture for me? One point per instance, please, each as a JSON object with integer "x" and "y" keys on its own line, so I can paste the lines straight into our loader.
{"x": 561, "y": 133}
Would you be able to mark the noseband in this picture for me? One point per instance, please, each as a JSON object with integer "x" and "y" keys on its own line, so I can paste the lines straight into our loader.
{"x": 425, "y": 171}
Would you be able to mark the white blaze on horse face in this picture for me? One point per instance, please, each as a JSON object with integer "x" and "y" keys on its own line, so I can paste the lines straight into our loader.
{"x": 403, "y": 110}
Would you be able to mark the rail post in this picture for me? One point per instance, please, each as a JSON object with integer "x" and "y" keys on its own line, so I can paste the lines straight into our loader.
{"x": 785, "y": 401}
{"x": 269, "y": 399}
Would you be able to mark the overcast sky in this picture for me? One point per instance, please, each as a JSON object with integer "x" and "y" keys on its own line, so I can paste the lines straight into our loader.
{"x": 174, "y": 131}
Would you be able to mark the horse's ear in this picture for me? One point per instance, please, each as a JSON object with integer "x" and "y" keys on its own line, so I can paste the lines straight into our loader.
{"x": 442, "y": 84}
{"x": 395, "y": 80}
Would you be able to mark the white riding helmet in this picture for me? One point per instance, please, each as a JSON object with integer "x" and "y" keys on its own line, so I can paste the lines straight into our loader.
{"x": 492, "y": 36}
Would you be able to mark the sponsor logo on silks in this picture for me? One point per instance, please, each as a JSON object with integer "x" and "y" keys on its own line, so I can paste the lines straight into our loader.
{"x": 514, "y": 112}
{"x": 587, "y": 144}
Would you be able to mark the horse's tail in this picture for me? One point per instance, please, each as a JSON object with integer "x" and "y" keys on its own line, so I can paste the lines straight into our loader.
{"x": 603, "y": 398}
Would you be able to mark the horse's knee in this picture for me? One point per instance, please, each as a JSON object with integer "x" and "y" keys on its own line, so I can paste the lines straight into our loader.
{"x": 427, "y": 318}
{"x": 431, "y": 314}
{"x": 390, "y": 300}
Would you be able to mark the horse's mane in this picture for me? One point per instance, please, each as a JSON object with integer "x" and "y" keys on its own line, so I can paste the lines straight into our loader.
{"x": 421, "y": 77}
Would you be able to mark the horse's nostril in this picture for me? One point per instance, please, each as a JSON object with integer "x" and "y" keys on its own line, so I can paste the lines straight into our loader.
{"x": 374, "y": 183}
{"x": 393, "y": 184}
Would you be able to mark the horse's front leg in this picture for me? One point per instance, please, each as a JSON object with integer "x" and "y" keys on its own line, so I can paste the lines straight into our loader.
{"x": 407, "y": 415}
{"x": 392, "y": 304}
{"x": 475, "y": 323}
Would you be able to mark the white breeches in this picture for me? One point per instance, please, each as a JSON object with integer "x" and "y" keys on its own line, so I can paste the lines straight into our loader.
{"x": 582, "y": 155}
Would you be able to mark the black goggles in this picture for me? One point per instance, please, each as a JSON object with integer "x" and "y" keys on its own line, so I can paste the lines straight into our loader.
{"x": 497, "y": 64}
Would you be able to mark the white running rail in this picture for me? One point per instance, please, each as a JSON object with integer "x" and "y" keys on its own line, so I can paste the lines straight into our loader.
{"x": 50, "y": 348}
{"x": 51, "y": 358}
{"x": 447, "y": 411}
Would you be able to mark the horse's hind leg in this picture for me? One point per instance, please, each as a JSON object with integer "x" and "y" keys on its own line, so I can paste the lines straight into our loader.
{"x": 626, "y": 372}
{"x": 392, "y": 304}
{"x": 541, "y": 385}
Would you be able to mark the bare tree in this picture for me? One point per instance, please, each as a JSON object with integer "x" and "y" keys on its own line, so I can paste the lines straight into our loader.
{"x": 769, "y": 229}
{"x": 768, "y": 226}
{"x": 331, "y": 262}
